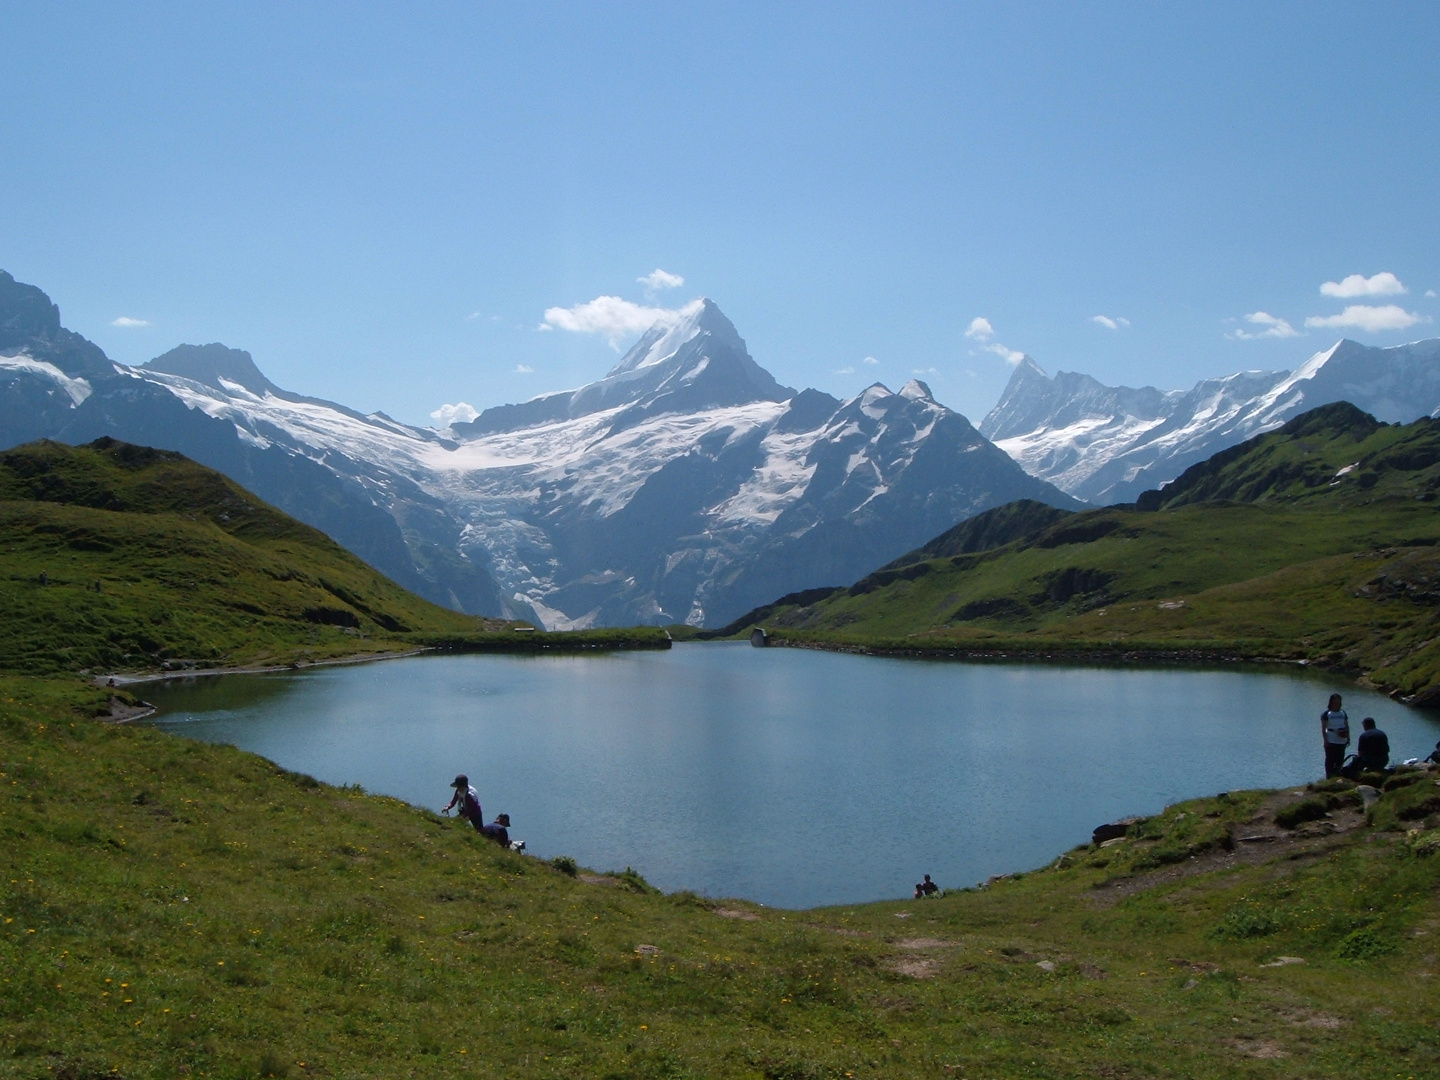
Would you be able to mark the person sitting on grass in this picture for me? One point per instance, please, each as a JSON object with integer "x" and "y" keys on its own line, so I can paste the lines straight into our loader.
{"x": 498, "y": 830}
{"x": 928, "y": 887}
{"x": 1372, "y": 751}
{"x": 1434, "y": 757}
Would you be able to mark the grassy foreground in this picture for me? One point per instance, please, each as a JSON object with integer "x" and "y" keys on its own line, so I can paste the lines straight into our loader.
{"x": 170, "y": 908}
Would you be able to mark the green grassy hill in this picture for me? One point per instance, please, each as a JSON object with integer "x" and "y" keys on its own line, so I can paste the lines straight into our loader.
{"x": 1316, "y": 541}
{"x": 170, "y": 908}
{"x": 117, "y": 557}
{"x": 176, "y": 909}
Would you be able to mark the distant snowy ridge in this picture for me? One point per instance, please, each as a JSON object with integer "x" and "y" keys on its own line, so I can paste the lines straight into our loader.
{"x": 687, "y": 485}
{"x": 1107, "y": 444}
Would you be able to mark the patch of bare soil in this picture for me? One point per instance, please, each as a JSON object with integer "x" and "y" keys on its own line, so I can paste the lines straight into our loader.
{"x": 121, "y": 713}
{"x": 915, "y": 967}
{"x": 735, "y": 913}
{"x": 918, "y": 967}
{"x": 597, "y": 879}
{"x": 1267, "y": 1049}
{"x": 1312, "y": 1019}
{"x": 1256, "y": 842}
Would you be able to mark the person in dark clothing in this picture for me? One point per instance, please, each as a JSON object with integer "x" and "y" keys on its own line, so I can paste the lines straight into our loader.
{"x": 1435, "y": 754}
{"x": 928, "y": 887}
{"x": 467, "y": 800}
{"x": 1335, "y": 729}
{"x": 498, "y": 830}
{"x": 1372, "y": 751}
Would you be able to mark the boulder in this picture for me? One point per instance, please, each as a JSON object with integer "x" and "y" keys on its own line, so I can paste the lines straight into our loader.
{"x": 1114, "y": 830}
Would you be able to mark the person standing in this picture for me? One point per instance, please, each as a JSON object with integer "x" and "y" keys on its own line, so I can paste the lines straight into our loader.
{"x": 1335, "y": 727}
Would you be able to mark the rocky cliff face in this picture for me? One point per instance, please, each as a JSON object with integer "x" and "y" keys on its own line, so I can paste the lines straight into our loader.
{"x": 685, "y": 485}
{"x": 1107, "y": 444}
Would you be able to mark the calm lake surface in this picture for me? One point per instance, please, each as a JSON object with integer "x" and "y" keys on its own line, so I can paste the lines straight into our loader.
{"x": 790, "y": 777}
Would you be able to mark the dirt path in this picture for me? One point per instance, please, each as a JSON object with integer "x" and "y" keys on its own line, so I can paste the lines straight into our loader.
{"x": 1259, "y": 840}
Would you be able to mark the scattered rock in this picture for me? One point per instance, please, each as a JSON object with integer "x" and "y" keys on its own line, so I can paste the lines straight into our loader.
{"x": 1193, "y": 965}
{"x": 1284, "y": 961}
{"x": 1114, "y": 829}
{"x": 1045, "y": 965}
{"x": 648, "y": 950}
{"x": 902, "y": 914}
{"x": 1113, "y": 841}
{"x": 1368, "y": 795}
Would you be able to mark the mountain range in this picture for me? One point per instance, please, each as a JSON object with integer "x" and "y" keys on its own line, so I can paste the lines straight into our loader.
{"x": 1107, "y": 444}
{"x": 687, "y": 485}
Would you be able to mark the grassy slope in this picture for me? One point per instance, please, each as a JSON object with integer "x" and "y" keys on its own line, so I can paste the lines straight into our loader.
{"x": 192, "y": 567}
{"x": 189, "y": 565}
{"x": 1259, "y": 552}
{"x": 173, "y": 908}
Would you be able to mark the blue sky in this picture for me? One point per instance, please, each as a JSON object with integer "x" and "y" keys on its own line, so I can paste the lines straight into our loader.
{"x": 382, "y": 202}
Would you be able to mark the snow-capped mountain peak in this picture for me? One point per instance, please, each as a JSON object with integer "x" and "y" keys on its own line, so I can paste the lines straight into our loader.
{"x": 685, "y": 485}
{"x": 1107, "y": 444}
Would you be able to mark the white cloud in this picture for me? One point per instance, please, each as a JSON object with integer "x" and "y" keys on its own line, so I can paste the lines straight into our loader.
{"x": 524, "y": 369}
{"x": 847, "y": 370}
{"x": 446, "y": 415}
{"x": 472, "y": 316}
{"x": 613, "y": 317}
{"x": 1382, "y": 284}
{"x": 1430, "y": 293}
{"x": 1108, "y": 323}
{"x": 661, "y": 279}
{"x": 871, "y": 360}
{"x": 980, "y": 329}
{"x": 1368, "y": 317}
{"x": 924, "y": 371}
{"x": 1274, "y": 327}
{"x": 127, "y": 323}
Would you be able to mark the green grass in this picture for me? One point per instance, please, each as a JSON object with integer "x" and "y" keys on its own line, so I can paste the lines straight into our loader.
{"x": 173, "y": 908}
{"x": 121, "y": 558}
{"x": 118, "y": 558}
{"x": 1262, "y": 552}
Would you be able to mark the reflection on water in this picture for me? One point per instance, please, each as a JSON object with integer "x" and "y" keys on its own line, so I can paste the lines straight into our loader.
{"x": 791, "y": 777}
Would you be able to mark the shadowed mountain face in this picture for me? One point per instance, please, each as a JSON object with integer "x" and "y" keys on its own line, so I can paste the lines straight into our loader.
{"x": 685, "y": 485}
{"x": 1107, "y": 444}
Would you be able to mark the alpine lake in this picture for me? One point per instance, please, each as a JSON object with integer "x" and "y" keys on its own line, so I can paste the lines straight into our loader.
{"x": 795, "y": 778}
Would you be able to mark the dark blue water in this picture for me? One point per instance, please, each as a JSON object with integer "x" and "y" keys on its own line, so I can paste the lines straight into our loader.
{"x": 790, "y": 777}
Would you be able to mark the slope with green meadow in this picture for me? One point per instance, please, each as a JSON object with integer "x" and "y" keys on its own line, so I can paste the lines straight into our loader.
{"x": 1316, "y": 542}
{"x": 121, "y": 558}
{"x": 170, "y": 908}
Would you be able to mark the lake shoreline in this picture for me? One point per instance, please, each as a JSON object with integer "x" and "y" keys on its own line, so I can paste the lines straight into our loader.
{"x": 119, "y": 681}
{"x": 1429, "y": 699}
